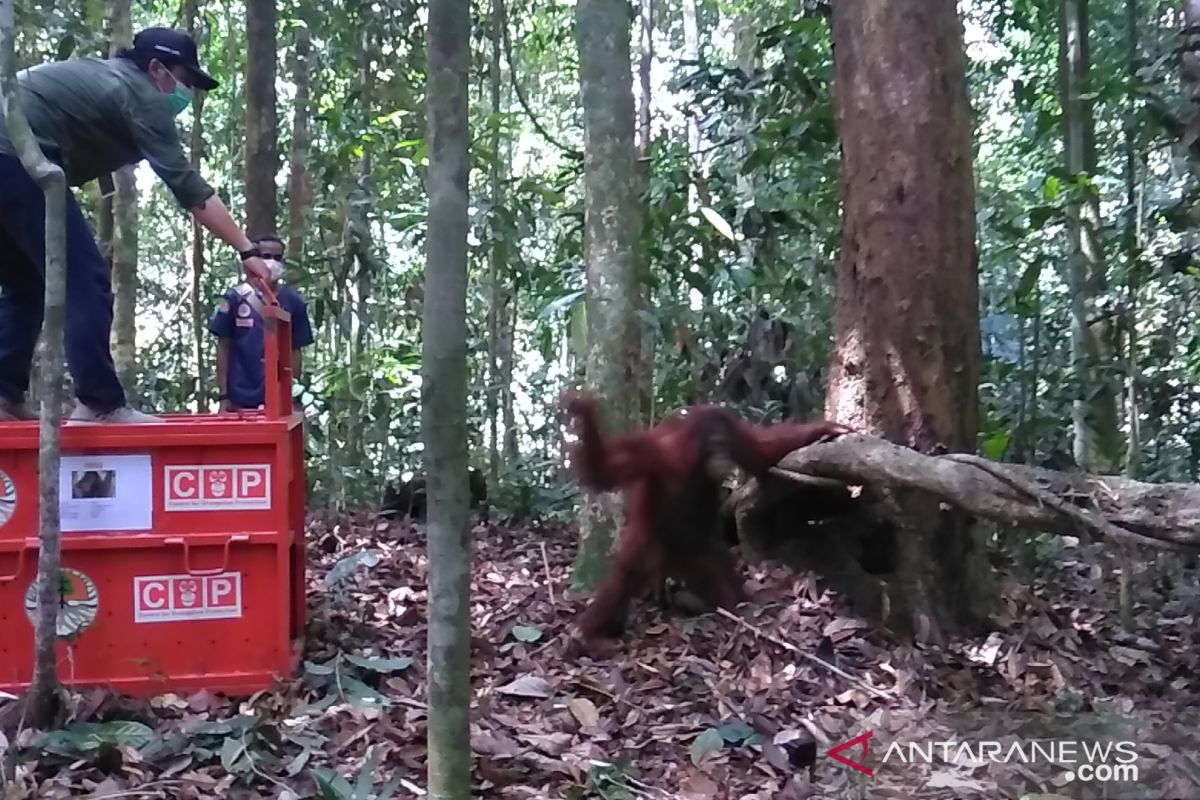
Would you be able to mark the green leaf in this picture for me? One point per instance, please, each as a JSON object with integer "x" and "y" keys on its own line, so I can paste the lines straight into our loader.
{"x": 1026, "y": 286}
{"x": 360, "y": 694}
{"x": 84, "y": 738}
{"x": 296, "y": 764}
{"x": 66, "y": 47}
{"x": 376, "y": 664}
{"x": 708, "y": 742}
{"x": 366, "y": 775}
{"x": 312, "y": 668}
{"x": 526, "y": 633}
{"x": 718, "y": 222}
{"x": 126, "y": 732}
{"x": 1040, "y": 215}
{"x": 995, "y": 445}
{"x": 232, "y": 751}
{"x": 736, "y": 732}
{"x": 332, "y": 786}
{"x": 1051, "y": 188}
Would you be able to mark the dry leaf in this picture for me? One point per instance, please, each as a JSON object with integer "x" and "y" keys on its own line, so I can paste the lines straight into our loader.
{"x": 585, "y": 711}
{"x": 528, "y": 686}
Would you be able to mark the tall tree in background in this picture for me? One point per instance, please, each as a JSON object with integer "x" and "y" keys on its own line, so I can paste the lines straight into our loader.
{"x": 1094, "y": 413}
{"x": 199, "y": 315}
{"x": 262, "y": 128}
{"x": 745, "y": 49}
{"x": 1132, "y": 242}
{"x": 498, "y": 253}
{"x": 299, "y": 182}
{"x": 645, "y": 366}
{"x": 1189, "y": 73}
{"x": 44, "y": 698}
{"x": 610, "y": 237}
{"x": 444, "y": 402}
{"x": 124, "y": 235}
{"x": 906, "y": 357}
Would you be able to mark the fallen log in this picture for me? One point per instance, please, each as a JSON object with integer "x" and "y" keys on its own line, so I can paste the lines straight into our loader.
{"x": 1162, "y": 515}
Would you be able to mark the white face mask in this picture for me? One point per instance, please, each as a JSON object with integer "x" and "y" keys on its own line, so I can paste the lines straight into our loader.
{"x": 274, "y": 270}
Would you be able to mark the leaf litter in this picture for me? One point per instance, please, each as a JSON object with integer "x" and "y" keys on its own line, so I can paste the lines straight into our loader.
{"x": 695, "y": 707}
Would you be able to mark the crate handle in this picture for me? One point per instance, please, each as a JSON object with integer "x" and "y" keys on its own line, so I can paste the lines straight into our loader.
{"x": 20, "y": 567}
{"x": 187, "y": 554}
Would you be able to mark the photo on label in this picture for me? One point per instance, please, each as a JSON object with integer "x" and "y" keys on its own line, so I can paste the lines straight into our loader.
{"x": 93, "y": 484}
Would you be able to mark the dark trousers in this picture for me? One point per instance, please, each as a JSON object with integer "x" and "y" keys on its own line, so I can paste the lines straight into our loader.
{"x": 89, "y": 312}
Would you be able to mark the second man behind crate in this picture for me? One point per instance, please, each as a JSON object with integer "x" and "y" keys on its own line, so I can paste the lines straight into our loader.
{"x": 238, "y": 325}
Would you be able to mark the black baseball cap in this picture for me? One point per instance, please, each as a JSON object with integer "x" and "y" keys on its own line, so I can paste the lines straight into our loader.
{"x": 173, "y": 47}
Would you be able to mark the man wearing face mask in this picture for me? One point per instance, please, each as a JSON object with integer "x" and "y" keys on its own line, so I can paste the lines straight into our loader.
{"x": 92, "y": 117}
{"x": 238, "y": 325}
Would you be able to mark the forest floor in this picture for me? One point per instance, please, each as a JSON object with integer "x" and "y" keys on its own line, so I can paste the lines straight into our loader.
{"x": 687, "y": 708}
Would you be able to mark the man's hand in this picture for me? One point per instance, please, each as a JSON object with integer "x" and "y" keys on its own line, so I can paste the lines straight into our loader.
{"x": 255, "y": 267}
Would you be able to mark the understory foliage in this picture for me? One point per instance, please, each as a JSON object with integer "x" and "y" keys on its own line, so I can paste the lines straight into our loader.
{"x": 739, "y": 237}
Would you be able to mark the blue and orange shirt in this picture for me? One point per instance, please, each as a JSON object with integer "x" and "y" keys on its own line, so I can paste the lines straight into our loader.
{"x": 238, "y": 319}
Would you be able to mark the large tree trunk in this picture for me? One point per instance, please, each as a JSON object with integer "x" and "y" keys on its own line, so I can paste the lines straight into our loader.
{"x": 906, "y": 358}
{"x": 44, "y": 699}
{"x": 610, "y": 237}
{"x": 198, "y": 299}
{"x": 124, "y": 238}
{"x": 1094, "y": 412}
{"x": 262, "y": 129}
{"x": 444, "y": 404}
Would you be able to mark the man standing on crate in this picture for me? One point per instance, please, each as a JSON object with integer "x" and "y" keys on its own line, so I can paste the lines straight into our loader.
{"x": 93, "y": 116}
{"x": 238, "y": 325}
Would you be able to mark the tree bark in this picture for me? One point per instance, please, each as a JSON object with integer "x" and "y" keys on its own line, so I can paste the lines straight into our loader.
{"x": 444, "y": 403}
{"x": 745, "y": 44}
{"x": 511, "y": 449}
{"x": 1190, "y": 78}
{"x": 1164, "y": 515}
{"x": 199, "y": 310}
{"x": 44, "y": 698}
{"x": 1133, "y": 245}
{"x": 124, "y": 238}
{"x": 262, "y": 129}
{"x": 691, "y": 54}
{"x": 645, "y": 62}
{"x": 497, "y": 257}
{"x": 645, "y": 366}
{"x": 363, "y": 266}
{"x": 1098, "y": 442}
{"x": 610, "y": 238}
{"x": 299, "y": 181}
{"x": 906, "y": 358}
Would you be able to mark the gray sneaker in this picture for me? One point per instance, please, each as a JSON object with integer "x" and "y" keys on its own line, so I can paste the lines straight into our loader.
{"x": 119, "y": 416}
{"x": 15, "y": 412}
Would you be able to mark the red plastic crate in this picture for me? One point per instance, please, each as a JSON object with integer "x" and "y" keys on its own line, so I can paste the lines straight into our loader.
{"x": 183, "y": 542}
